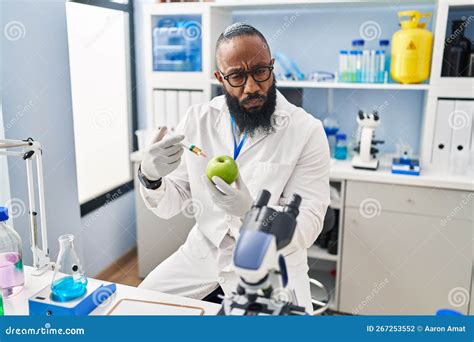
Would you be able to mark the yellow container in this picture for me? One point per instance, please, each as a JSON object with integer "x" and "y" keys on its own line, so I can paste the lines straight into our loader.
{"x": 411, "y": 49}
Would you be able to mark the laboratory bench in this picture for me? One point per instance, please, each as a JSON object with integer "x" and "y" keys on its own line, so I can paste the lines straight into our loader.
{"x": 381, "y": 218}
{"x": 18, "y": 304}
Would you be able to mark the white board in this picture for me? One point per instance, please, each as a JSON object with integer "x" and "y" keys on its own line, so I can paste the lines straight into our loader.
{"x": 133, "y": 307}
{"x": 99, "y": 61}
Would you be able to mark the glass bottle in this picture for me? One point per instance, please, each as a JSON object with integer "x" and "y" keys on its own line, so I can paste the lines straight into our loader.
{"x": 12, "y": 278}
{"x": 69, "y": 281}
{"x": 341, "y": 146}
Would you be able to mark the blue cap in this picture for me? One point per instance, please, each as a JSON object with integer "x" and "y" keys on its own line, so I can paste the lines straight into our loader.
{"x": 341, "y": 136}
{"x": 3, "y": 214}
{"x": 358, "y": 42}
{"x": 384, "y": 42}
{"x": 344, "y": 52}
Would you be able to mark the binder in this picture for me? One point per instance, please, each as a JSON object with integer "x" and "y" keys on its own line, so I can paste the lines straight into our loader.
{"x": 184, "y": 102}
{"x": 442, "y": 136}
{"x": 159, "y": 109}
{"x": 461, "y": 124}
{"x": 171, "y": 109}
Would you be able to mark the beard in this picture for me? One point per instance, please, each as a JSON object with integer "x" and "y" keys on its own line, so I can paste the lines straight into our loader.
{"x": 255, "y": 120}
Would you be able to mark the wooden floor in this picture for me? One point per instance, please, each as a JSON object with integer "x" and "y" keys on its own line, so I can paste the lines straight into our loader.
{"x": 123, "y": 271}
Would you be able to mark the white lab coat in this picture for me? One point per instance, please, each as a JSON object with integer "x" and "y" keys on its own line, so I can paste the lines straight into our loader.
{"x": 293, "y": 159}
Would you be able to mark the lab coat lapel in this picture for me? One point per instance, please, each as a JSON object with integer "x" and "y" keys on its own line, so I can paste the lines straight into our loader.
{"x": 223, "y": 128}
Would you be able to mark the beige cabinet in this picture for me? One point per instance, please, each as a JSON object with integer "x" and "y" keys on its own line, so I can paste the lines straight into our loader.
{"x": 406, "y": 250}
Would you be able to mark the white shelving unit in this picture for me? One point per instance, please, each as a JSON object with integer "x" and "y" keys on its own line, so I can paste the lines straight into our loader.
{"x": 340, "y": 85}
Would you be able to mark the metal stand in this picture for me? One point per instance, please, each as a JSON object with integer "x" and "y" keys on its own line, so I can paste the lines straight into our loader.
{"x": 30, "y": 150}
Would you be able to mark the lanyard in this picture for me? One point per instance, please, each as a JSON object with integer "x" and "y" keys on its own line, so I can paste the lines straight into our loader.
{"x": 238, "y": 147}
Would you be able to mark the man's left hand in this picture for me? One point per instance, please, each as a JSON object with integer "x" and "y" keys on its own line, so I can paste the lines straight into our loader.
{"x": 234, "y": 201}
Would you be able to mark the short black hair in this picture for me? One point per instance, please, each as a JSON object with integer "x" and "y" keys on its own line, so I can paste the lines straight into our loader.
{"x": 237, "y": 30}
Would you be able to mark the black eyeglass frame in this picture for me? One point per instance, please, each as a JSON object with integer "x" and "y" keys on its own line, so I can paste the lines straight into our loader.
{"x": 246, "y": 73}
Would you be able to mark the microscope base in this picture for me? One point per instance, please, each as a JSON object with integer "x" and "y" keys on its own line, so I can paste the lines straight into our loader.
{"x": 358, "y": 163}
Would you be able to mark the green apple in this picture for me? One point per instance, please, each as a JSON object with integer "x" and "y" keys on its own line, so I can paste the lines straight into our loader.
{"x": 224, "y": 167}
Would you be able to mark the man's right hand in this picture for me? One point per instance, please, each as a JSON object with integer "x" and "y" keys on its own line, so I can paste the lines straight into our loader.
{"x": 162, "y": 156}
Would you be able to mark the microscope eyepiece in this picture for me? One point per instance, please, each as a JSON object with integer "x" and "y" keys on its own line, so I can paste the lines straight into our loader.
{"x": 262, "y": 199}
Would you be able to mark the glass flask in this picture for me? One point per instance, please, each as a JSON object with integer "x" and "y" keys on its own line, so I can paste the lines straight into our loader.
{"x": 69, "y": 281}
{"x": 12, "y": 277}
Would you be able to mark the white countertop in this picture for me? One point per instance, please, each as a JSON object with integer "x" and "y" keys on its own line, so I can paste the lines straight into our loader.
{"x": 343, "y": 170}
{"x": 18, "y": 304}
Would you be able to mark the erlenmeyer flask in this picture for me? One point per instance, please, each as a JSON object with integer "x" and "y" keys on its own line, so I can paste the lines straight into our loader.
{"x": 69, "y": 281}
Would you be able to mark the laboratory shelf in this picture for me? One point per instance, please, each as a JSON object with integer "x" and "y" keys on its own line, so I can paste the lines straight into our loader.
{"x": 340, "y": 85}
{"x": 316, "y": 252}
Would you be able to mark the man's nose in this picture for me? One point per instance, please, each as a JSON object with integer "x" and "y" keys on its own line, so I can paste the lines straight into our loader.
{"x": 251, "y": 86}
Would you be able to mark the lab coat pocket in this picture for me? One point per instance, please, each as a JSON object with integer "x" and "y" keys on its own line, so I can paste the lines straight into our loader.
{"x": 270, "y": 176}
{"x": 196, "y": 245}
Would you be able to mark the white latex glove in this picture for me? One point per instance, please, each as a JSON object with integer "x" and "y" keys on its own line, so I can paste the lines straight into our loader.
{"x": 162, "y": 156}
{"x": 234, "y": 201}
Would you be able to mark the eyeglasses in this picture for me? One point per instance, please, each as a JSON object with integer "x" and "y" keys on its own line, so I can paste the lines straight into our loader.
{"x": 239, "y": 78}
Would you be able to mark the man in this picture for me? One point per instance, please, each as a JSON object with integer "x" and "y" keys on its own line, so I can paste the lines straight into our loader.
{"x": 278, "y": 147}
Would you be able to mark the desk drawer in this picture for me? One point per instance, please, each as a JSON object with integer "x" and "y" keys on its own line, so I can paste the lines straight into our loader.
{"x": 443, "y": 203}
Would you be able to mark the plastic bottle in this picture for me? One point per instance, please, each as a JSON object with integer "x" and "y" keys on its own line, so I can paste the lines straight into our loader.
{"x": 2, "y": 311}
{"x": 384, "y": 45}
{"x": 331, "y": 127}
{"x": 69, "y": 281}
{"x": 355, "y": 57}
{"x": 341, "y": 147}
{"x": 379, "y": 66}
{"x": 12, "y": 278}
{"x": 411, "y": 49}
{"x": 343, "y": 65}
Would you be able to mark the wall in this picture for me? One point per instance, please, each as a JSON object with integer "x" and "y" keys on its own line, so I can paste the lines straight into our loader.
{"x": 37, "y": 103}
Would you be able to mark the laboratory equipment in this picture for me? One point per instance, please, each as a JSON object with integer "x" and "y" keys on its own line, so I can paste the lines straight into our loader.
{"x": 96, "y": 294}
{"x": 456, "y": 51}
{"x": 341, "y": 146}
{"x": 355, "y": 60}
{"x": 177, "y": 44}
{"x": 343, "y": 73}
{"x": 384, "y": 46}
{"x": 12, "y": 278}
{"x": 29, "y": 150}
{"x": 331, "y": 127}
{"x": 259, "y": 263}
{"x": 366, "y": 151}
{"x": 286, "y": 68}
{"x": 69, "y": 281}
{"x": 406, "y": 166}
{"x": 411, "y": 49}
{"x": 194, "y": 149}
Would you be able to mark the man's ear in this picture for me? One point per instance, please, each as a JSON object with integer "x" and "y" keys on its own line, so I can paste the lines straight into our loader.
{"x": 218, "y": 76}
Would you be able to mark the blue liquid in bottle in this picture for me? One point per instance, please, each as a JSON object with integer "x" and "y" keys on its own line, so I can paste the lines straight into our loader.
{"x": 66, "y": 289}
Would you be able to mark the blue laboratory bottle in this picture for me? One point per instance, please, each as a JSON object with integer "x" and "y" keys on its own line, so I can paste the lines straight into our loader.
{"x": 384, "y": 46}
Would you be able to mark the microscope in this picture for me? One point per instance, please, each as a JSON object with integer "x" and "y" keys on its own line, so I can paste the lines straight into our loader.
{"x": 257, "y": 260}
{"x": 366, "y": 157}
